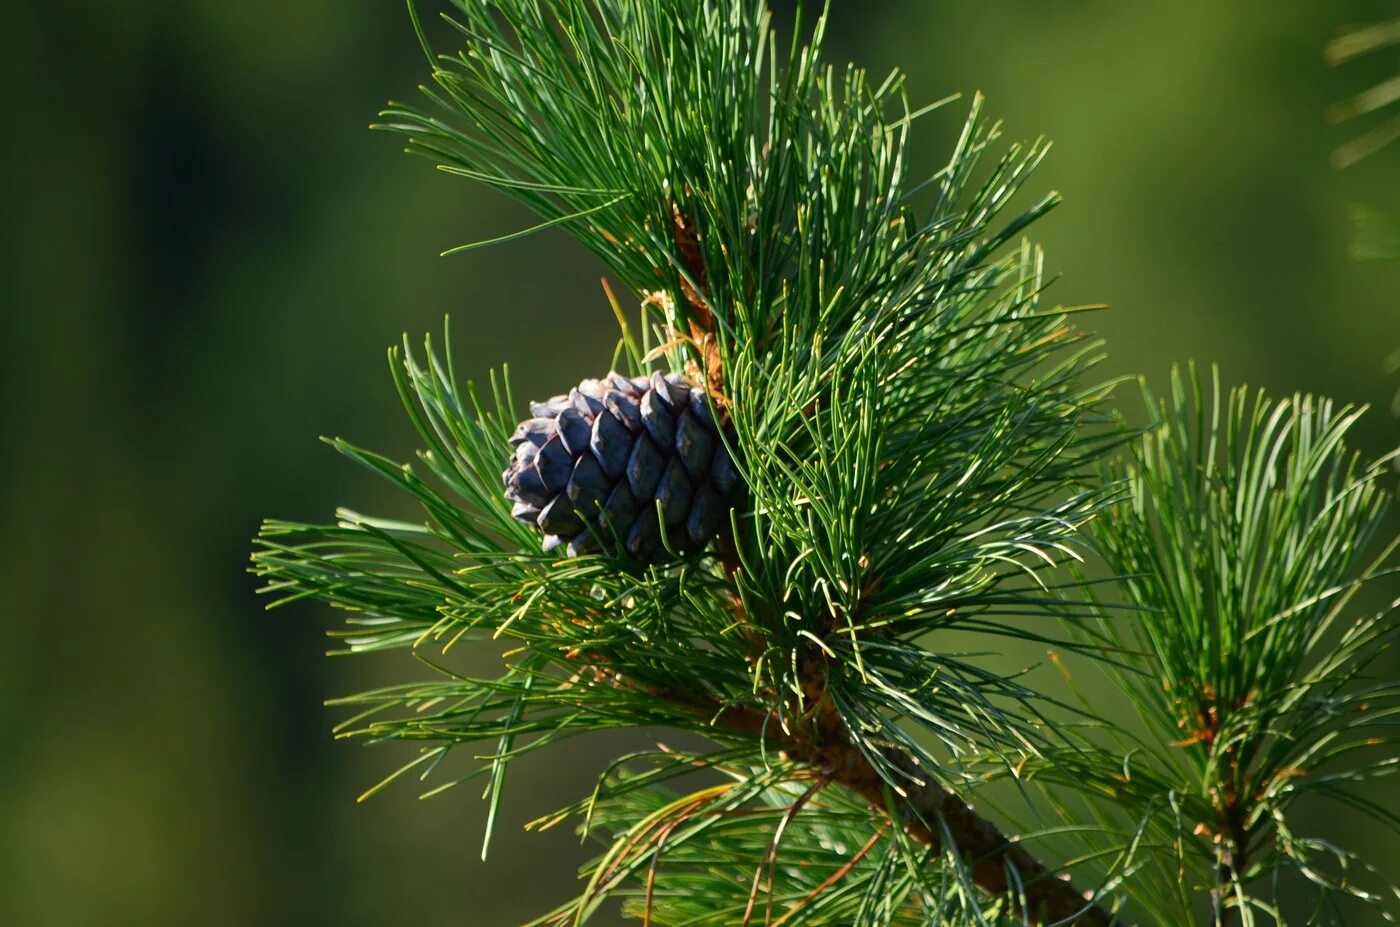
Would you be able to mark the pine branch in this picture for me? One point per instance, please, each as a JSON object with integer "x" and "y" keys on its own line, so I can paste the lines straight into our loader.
{"x": 905, "y": 446}
{"x": 932, "y": 814}
{"x": 1251, "y": 529}
{"x": 937, "y": 816}
{"x": 594, "y": 673}
{"x": 907, "y": 419}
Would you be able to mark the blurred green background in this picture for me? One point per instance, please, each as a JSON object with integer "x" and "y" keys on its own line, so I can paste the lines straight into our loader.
{"x": 208, "y": 254}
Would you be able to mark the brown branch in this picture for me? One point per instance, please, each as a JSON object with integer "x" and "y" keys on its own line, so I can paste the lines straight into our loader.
{"x": 694, "y": 282}
{"x": 1233, "y": 860}
{"x": 687, "y": 238}
{"x": 927, "y": 809}
{"x": 990, "y": 855}
{"x": 1233, "y": 846}
{"x": 1206, "y": 723}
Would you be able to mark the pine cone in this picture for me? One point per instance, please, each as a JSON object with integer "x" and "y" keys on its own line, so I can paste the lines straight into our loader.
{"x": 590, "y": 468}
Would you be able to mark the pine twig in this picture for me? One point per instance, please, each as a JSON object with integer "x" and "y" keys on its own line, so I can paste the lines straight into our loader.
{"x": 927, "y": 811}
{"x": 991, "y": 854}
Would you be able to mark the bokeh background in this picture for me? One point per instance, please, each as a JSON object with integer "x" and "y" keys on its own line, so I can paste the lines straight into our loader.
{"x": 207, "y": 254}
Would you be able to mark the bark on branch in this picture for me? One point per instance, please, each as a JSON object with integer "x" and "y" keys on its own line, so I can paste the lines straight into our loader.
{"x": 991, "y": 857}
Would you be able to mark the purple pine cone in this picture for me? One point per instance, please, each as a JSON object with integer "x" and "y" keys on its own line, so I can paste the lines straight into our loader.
{"x": 593, "y": 469}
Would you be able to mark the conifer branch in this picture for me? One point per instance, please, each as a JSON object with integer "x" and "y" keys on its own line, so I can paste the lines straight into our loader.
{"x": 928, "y": 811}
{"x": 853, "y": 427}
{"x": 932, "y": 811}
{"x": 1247, "y": 536}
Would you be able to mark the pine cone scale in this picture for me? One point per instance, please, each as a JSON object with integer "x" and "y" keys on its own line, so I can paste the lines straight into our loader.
{"x": 645, "y": 467}
{"x": 611, "y": 444}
